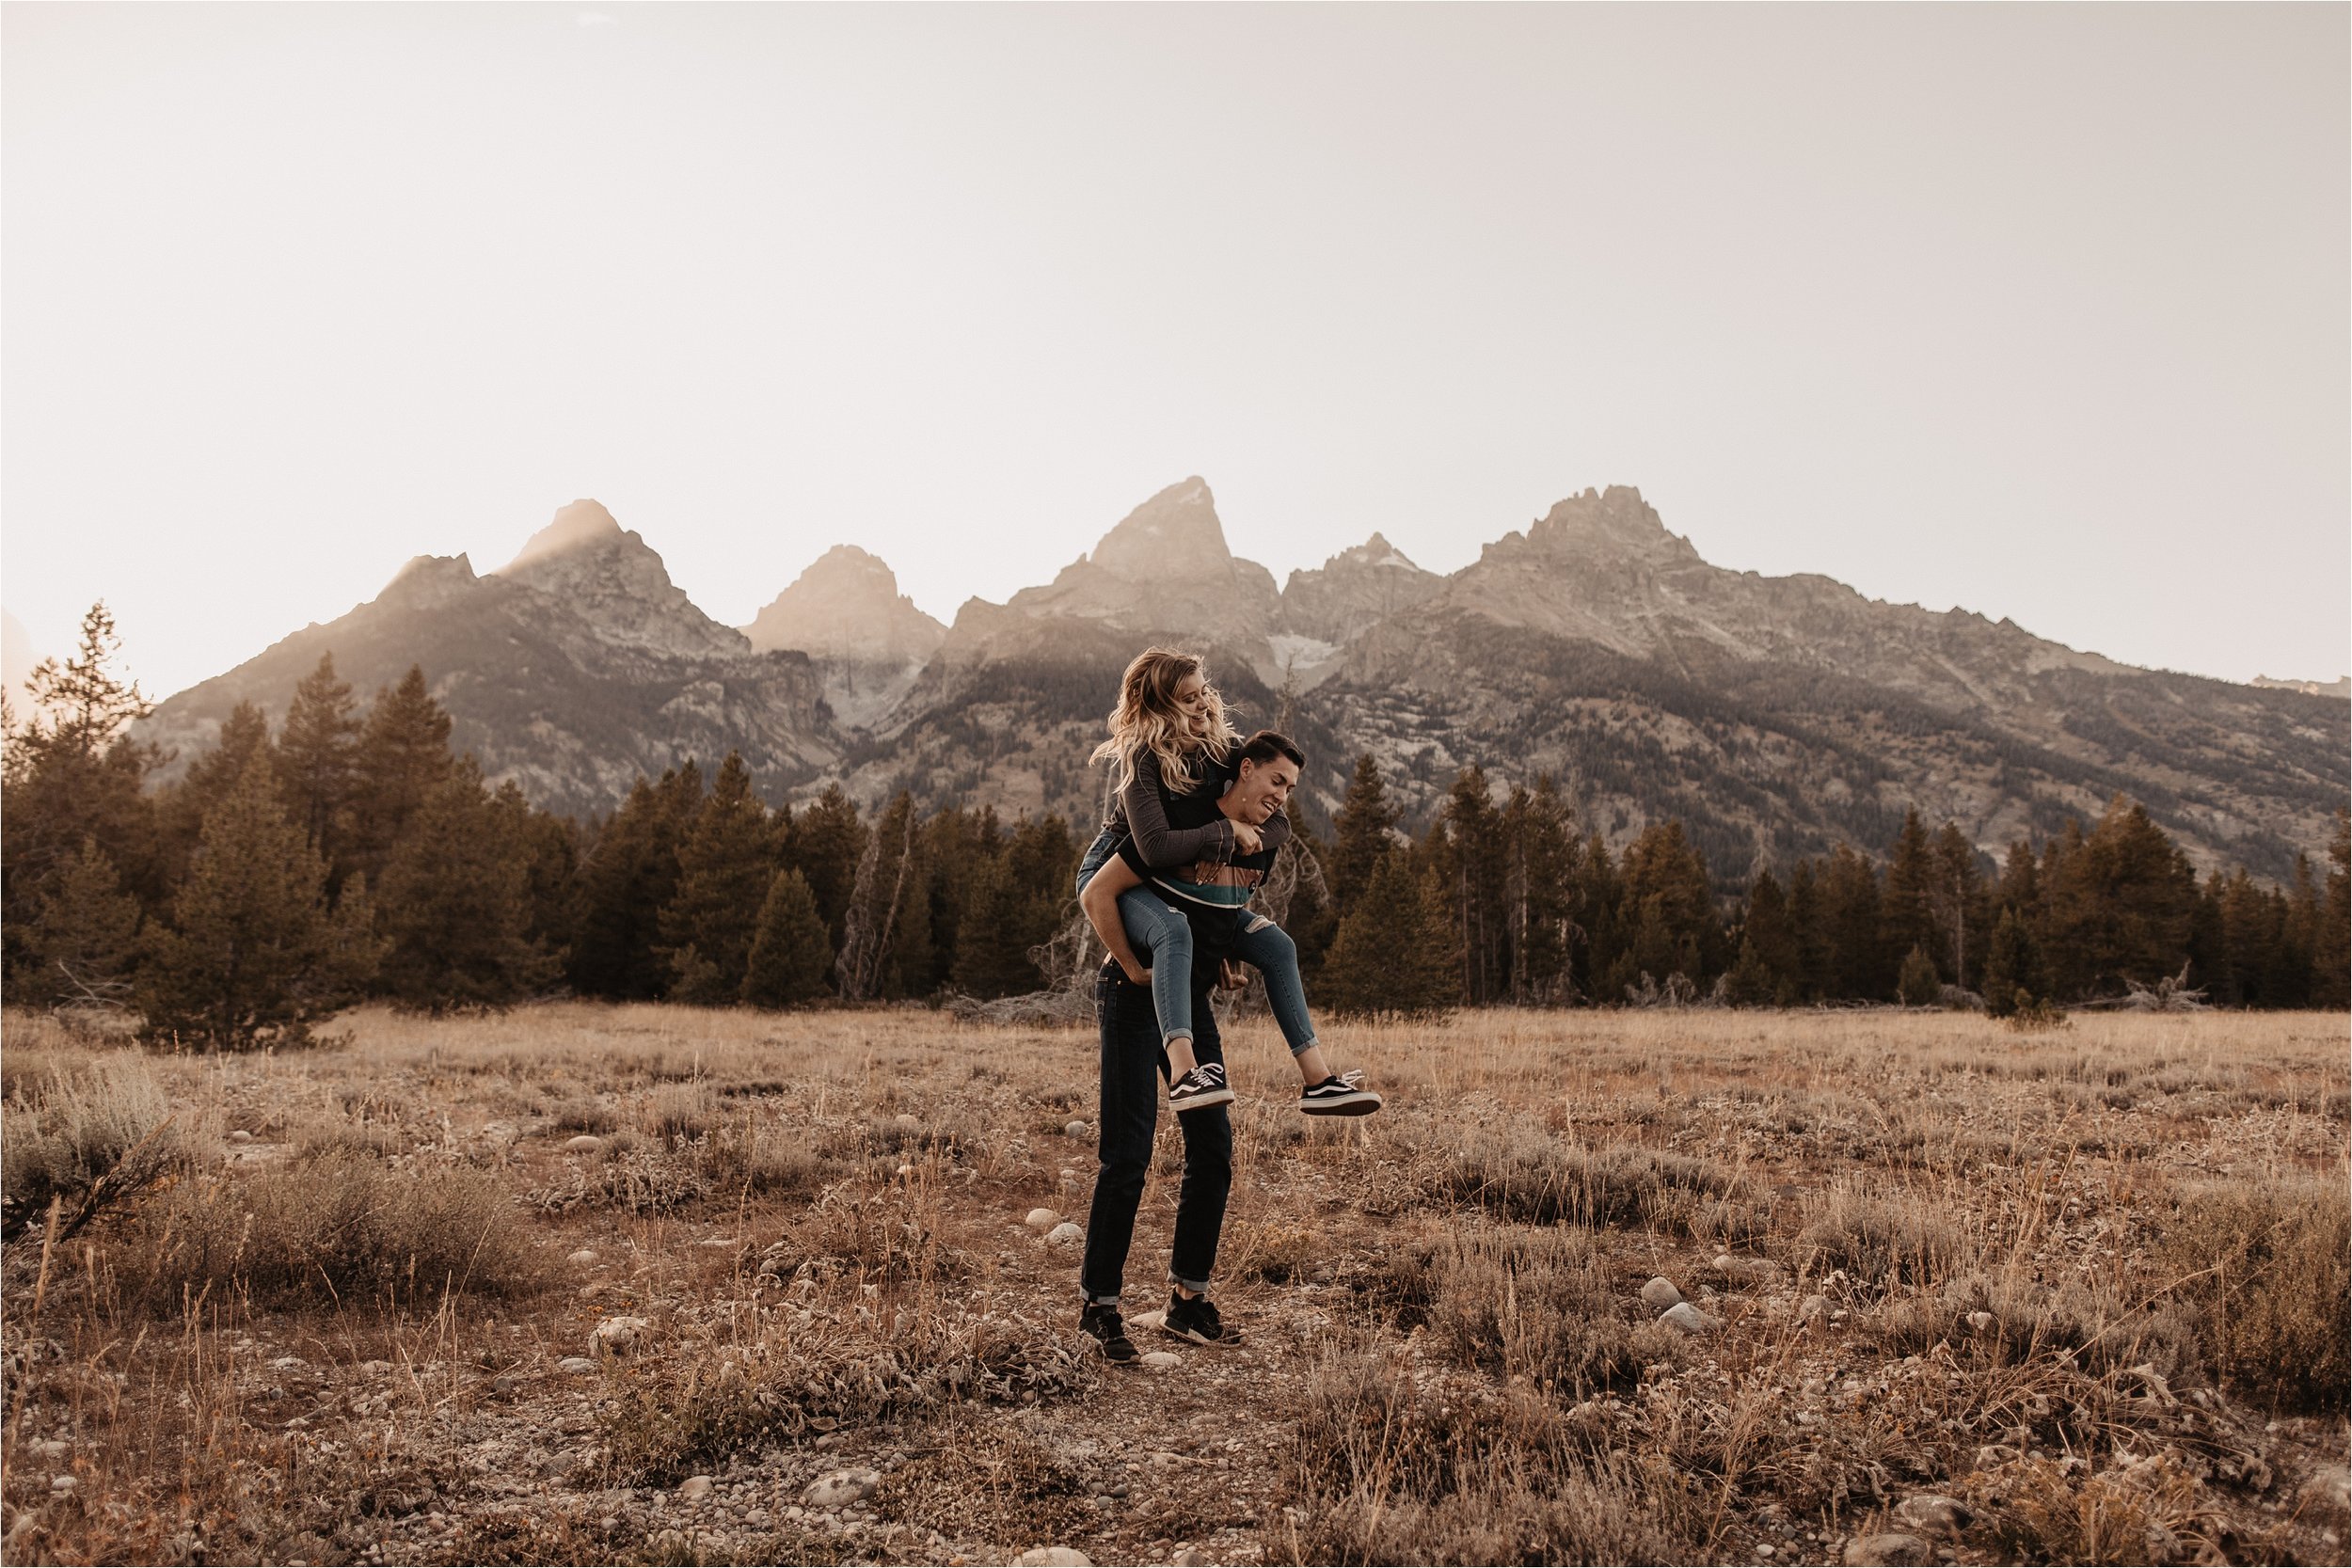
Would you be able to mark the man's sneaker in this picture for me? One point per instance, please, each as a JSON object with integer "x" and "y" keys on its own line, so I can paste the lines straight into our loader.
{"x": 1204, "y": 1085}
{"x": 1102, "y": 1322}
{"x": 1195, "y": 1317}
{"x": 1339, "y": 1095}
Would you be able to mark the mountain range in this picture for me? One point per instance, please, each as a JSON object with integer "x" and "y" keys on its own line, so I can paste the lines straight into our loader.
{"x": 1773, "y": 716}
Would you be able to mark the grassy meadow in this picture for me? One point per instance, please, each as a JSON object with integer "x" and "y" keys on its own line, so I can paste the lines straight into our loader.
{"x": 590, "y": 1283}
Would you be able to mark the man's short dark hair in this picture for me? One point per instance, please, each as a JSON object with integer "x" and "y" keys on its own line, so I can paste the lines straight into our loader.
{"x": 1266, "y": 745}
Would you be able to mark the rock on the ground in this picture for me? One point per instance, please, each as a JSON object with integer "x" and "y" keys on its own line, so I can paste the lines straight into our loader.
{"x": 241, "y": 1136}
{"x": 1041, "y": 1220}
{"x": 1074, "y": 1129}
{"x": 576, "y": 1365}
{"x": 1935, "y": 1512}
{"x": 1067, "y": 1233}
{"x": 907, "y": 1122}
{"x": 1054, "y": 1557}
{"x": 695, "y": 1487}
{"x": 584, "y": 1257}
{"x": 617, "y": 1335}
{"x": 1161, "y": 1360}
{"x": 1886, "y": 1550}
{"x": 1660, "y": 1293}
{"x": 587, "y": 1142}
{"x": 1982, "y": 1321}
{"x": 1689, "y": 1319}
{"x": 1152, "y": 1319}
{"x": 839, "y": 1488}
{"x": 1812, "y": 1310}
{"x": 1191, "y": 1557}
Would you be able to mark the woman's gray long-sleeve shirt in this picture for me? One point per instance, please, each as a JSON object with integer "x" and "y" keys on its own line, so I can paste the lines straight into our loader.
{"x": 1146, "y": 812}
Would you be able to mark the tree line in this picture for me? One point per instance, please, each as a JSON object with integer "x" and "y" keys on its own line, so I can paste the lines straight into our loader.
{"x": 348, "y": 854}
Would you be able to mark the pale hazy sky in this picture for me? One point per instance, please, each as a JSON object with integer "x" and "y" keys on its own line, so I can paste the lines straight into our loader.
{"x": 2042, "y": 310}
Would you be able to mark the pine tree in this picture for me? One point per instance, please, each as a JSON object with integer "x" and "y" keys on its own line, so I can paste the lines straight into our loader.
{"x": 2008, "y": 978}
{"x": 1666, "y": 902}
{"x": 1362, "y": 833}
{"x": 828, "y": 842}
{"x": 72, "y": 773}
{"x": 1608, "y": 967}
{"x": 1771, "y": 937}
{"x": 791, "y": 951}
{"x": 2331, "y": 984}
{"x": 455, "y": 905}
{"x": 627, "y": 875}
{"x": 1907, "y": 906}
{"x": 403, "y": 754}
{"x": 887, "y": 935}
{"x": 1859, "y": 966}
{"x": 725, "y": 868}
{"x": 2122, "y": 905}
{"x": 1918, "y": 985}
{"x": 252, "y": 954}
{"x": 83, "y": 944}
{"x": 1956, "y": 900}
{"x": 1539, "y": 889}
{"x": 181, "y": 809}
{"x": 1474, "y": 867}
{"x": 1394, "y": 952}
{"x": 1748, "y": 983}
{"x": 318, "y": 760}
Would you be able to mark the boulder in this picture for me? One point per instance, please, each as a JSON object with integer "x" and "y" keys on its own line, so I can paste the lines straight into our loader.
{"x": 587, "y": 1142}
{"x": 576, "y": 1365}
{"x": 1041, "y": 1220}
{"x": 1067, "y": 1233}
{"x": 1161, "y": 1360}
{"x": 582, "y": 1258}
{"x": 1054, "y": 1557}
{"x": 1689, "y": 1319}
{"x": 1074, "y": 1129}
{"x": 839, "y": 1488}
{"x": 1660, "y": 1293}
{"x": 1934, "y": 1512}
{"x": 1887, "y": 1549}
{"x": 695, "y": 1488}
{"x": 617, "y": 1335}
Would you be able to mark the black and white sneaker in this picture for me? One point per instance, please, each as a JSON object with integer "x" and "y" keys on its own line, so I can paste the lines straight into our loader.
{"x": 1195, "y": 1317}
{"x": 1204, "y": 1086}
{"x": 1340, "y": 1095}
{"x": 1102, "y": 1322}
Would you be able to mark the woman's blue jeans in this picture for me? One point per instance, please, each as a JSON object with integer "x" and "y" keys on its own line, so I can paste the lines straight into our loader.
{"x": 1162, "y": 937}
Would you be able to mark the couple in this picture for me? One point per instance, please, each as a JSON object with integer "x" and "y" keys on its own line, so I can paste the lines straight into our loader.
{"x": 1196, "y": 822}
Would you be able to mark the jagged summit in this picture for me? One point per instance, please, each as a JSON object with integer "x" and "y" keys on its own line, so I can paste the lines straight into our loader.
{"x": 430, "y": 579}
{"x": 1616, "y": 518}
{"x": 583, "y": 522}
{"x": 1175, "y": 533}
{"x": 1333, "y": 602}
{"x": 847, "y": 605}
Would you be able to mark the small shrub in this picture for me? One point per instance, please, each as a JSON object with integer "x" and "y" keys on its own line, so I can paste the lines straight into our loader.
{"x": 1526, "y": 1175}
{"x": 763, "y": 1156}
{"x": 340, "y": 1229}
{"x": 86, "y": 1136}
{"x": 2265, "y": 1269}
{"x": 1536, "y": 1305}
{"x": 1876, "y": 1240}
{"x": 679, "y": 1111}
{"x": 582, "y": 1114}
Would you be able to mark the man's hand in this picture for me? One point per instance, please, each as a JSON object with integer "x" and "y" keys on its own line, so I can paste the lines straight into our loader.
{"x": 1245, "y": 838}
{"x": 1135, "y": 973}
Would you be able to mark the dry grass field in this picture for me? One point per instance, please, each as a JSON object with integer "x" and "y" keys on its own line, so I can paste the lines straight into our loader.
{"x": 1967, "y": 1295}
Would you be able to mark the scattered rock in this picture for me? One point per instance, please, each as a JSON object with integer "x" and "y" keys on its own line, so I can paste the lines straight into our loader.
{"x": 1191, "y": 1557}
{"x": 1726, "y": 1263}
{"x": 839, "y": 1488}
{"x": 1812, "y": 1310}
{"x": 503, "y": 1388}
{"x": 1041, "y": 1220}
{"x": 241, "y": 1136}
{"x": 1054, "y": 1557}
{"x": 1076, "y": 1129}
{"x": 1067, "y": 1233}
{"x": 576, "y": 1365}
{"x": 289, "y": 1364}
{"x": 906, "y": 1123}
{"x": 1935, "y": 1512}
{"x": 716, "y": 1241}
{"x": 587, "y": 1142}
{"x": 695, "y": 1488}
{"x": 1152, "y": 1319}
{"x": 1689, "y": 1319}
{"x": 63, "y": 1483}
{"x": 584, "y": 1257}
{"x": 617, "y": 1335}
{"x": 1982, "y": 1322}
{"x": 1161, "y": 1360}
{"x": 1660, "y": 1293}
{"x": 1886, "y": 1550}
{"x": 373, "y": 1369}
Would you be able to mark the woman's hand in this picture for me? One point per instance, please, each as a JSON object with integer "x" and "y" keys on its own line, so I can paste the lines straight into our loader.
{"x": 1232, "y": 976}
{"x": 1246, "y": 838}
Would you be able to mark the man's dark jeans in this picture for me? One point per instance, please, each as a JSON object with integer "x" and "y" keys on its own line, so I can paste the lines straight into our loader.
{"x": 1134, "y": 1066}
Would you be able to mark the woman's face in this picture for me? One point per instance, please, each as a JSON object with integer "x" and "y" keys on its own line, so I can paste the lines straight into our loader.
{"x": 1192, "y": 702}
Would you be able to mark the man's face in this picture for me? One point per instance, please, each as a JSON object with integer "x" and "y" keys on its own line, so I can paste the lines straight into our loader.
{"x": 1264, "y": 788}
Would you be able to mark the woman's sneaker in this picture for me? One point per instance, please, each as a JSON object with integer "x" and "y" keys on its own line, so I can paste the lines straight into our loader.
{"x": 1102, "y": 1322}
{"x": 1340, "y": 1095}
{"x": 1195, "y": 1317}
{"x": 1204, "y": 1086}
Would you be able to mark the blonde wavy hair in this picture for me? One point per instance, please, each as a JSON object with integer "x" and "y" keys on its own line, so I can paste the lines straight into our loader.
{"x": 1148, "y": 720}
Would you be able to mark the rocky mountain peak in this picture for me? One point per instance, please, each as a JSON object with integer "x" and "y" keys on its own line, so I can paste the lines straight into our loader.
{"x": 1615, "y": 521}
{"x": 430, "y": 579}
{"x": 616, "y": 583}
{"x": 1175, "y": 533}
{"x": 847, "y": 605}
{"x": 1349, "y": 592}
